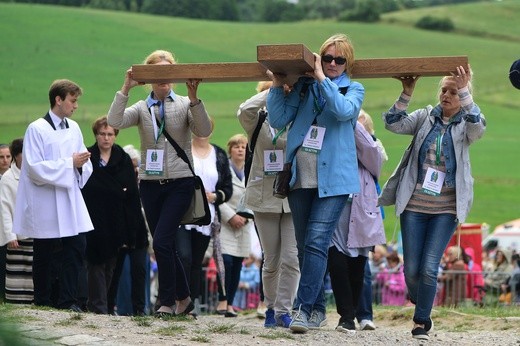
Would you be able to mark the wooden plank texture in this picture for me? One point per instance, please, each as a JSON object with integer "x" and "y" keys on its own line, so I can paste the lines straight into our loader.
{"x": 208, "y": 72}
{"x": 294, "y": 60}
{"x": 289, "y": 59}
{"x": 424, "y": 66}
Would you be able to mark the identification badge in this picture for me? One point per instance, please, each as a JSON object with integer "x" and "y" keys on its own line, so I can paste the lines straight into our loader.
{"x": 273, "y": 161}
{"x": 433, "y": 182}
{"x": 154, "y": 161}
{"x": 314, "y": 139}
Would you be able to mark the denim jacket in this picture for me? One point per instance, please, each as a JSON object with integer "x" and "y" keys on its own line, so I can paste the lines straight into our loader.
{"x": 337, "y": 162}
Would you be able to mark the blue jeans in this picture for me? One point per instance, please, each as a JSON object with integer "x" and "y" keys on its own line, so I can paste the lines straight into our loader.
{"x": 425, "y": 237}
{"x": 364, "y": 308}
{"x": 315, "y": 220}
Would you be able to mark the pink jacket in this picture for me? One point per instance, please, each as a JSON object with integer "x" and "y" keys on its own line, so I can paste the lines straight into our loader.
{"x": 393, "y": 286}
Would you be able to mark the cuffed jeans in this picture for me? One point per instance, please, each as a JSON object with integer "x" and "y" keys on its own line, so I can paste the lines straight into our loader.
{"x": 280, "y": 269}
{"x": 425, "y": 237}
{"x": 315, "y": 220}
{"x": 164, "y": 206}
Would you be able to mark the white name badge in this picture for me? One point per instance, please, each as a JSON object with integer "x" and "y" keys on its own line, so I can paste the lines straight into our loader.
{"x": 154, "y": 161}
{"x": 433, "y": 182}
{"x": 273, "y": 161}
{"x": 314, "y": 139}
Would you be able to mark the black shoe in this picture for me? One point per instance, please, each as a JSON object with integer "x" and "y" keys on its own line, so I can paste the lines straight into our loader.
{"x": 420, "y": 333}
{"x": 346, "y": 326}
{"x": 221, "y": 312}
{"x": 230, "y": 314}
{"x": 188, "y": 309}
{"x": 428, "y": 326}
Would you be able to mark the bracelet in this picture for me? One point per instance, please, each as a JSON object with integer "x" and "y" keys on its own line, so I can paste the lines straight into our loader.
{"x": 194, "y": 104}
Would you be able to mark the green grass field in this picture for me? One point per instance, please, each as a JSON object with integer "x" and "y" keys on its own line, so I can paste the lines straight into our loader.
{"x": 94, "y": 48}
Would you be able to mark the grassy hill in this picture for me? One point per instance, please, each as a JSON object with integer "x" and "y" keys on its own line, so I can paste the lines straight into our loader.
{"x": 94, "y": 48}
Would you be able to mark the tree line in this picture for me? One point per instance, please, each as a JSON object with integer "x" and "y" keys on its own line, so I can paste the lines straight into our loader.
{"x": 254, "y": 10}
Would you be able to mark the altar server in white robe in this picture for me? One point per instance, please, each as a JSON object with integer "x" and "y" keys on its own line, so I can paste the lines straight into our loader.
{"x": 49, "y": 204}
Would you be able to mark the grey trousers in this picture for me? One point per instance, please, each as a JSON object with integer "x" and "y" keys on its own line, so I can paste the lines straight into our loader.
{"x": 280, "y": 270}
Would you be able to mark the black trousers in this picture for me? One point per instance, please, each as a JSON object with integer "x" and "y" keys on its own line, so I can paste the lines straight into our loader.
{"x": 138, "y": 272}
{"x": 346, "y": 276}
{"x": 57, "y": 260}
{"x": 191, "y": 247}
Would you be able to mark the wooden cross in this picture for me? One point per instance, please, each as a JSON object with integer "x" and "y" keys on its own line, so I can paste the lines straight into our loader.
{"x": 293, "y": 59}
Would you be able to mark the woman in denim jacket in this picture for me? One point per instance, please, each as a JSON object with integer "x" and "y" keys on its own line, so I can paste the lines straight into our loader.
{"x": 435, "y": 190}
{"x": 322, "y": 151}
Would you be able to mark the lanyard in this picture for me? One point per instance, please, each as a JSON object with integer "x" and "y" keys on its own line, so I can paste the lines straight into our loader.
{"x": 278, "y": 134}
{"x": 157, "y": 131}
{"x": 438, "y": 149}
{"x": 319, "y": 104}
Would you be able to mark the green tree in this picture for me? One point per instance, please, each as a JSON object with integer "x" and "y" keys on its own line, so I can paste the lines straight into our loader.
{"x": 279, "y": 11}
{"x": 365, "y": 11}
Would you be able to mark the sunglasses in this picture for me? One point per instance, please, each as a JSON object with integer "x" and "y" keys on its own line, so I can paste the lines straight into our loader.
{"x": 338, "y": 59}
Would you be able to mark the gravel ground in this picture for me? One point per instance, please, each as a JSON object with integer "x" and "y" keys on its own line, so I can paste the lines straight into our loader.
{"x": 53, "y": 327}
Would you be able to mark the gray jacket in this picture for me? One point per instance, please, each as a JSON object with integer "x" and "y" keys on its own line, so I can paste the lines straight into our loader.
{"x": 181, "y": 121}
{"x": 463, "y": 134}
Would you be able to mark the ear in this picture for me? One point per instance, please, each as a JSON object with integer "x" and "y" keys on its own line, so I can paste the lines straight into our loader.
{"x": 58, "y": 100}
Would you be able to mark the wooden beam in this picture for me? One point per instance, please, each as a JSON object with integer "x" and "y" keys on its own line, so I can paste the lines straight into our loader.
{"x": 294, "y": 60}
{"x": 424, "y": 66}
{"x": 289, "y": 59}
{"x": 208, "y": 72}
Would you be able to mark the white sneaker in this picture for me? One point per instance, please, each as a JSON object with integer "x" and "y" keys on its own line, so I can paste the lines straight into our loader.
{"x": 261, "y": 310}
{"x": 367, "y": 325}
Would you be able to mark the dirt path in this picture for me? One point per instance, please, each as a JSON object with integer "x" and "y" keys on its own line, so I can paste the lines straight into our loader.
{"x": 393, "y": 328}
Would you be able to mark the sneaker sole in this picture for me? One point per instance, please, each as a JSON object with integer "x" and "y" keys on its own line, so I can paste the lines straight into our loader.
{"x": 421, "y": 337}
{"x": 299, "y": 329}
{"x": 316, "y": 328}
{"x": 322, "y": 324}
{"x": 346, "y": 331}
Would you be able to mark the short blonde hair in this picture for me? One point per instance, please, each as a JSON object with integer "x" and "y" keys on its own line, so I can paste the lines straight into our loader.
{"x": 236, "y": 140}
{"x": 343, "y": 47}
{"x": 158, "y": 56}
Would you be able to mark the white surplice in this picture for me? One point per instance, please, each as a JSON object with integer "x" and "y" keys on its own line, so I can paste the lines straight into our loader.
{"x": 50, "y": 185}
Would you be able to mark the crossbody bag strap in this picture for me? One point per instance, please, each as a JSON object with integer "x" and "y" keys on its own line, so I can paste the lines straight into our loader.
{"x": 262, "y": 114}
{"x": 180, "y": 152}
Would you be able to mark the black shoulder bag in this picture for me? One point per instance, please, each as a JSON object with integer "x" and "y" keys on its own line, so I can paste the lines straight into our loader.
{"x": 250, "y": 151}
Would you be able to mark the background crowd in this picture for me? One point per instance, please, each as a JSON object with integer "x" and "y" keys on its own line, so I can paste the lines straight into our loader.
{"x": 101, "y": 229}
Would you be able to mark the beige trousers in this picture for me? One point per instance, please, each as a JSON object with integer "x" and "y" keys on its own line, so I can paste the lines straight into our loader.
{"x": 280, "y": 271}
